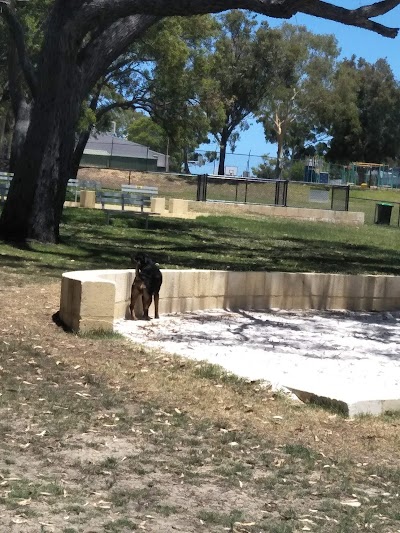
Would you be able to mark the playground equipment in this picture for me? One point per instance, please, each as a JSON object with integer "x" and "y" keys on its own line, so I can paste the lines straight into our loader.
{"x": 373, "y": 175}
{"x": 357, "y": 173}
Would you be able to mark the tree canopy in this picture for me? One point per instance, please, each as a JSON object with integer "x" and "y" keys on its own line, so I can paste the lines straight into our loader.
{"x": 364, "y": 113}
{"x": 291, "y": 112}
{"x": 81, "y": 40}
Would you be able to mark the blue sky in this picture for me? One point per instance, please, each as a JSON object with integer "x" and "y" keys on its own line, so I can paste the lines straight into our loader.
{"x": 362, "y": 43}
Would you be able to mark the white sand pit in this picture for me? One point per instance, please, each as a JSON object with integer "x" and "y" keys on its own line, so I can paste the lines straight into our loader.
{"x": 352, "y": 358}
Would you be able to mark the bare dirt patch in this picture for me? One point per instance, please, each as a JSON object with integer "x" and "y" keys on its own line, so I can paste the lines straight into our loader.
{"x": 99, "y": 435}
{"x": 170, "y": 185}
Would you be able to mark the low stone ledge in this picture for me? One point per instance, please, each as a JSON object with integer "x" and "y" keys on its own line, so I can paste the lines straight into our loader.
{"x": 350, "y": 218}
{"x": 94, "y": 299}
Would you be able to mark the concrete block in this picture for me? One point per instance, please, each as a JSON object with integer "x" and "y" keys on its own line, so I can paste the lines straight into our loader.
{"x": 203, "y": 282}
{"x": 170, "y": 287}
{"x": 70, "y": 302}
{"x": 392, "y": 289}
{"x": 286, "y": 302}
{"x": 380, "y": 289}
{"x": 341, "y": 303}
{"x": 189, "y": 284}
{"x": 157, "y": 205}
{"x": 274, "y": 283}
{"x": 330, "y": 216}
{"x": 293, "y": 284}
{"x": 372, "y": 407}
{"x": 236, "y": 284}
{"x": 235, "y": 302}
{"x": 87, "y": 199}
{"x": 354, "y": 286}
{"x": 337, "y": 285}
{"x": 294, "y": 212}
{"x": 368, "y": 287}
{"x": 177, "y": 206}
{"x": 258, "y": 302}
{"x": 123, "y": 284}
{"x": 255, "y": 283}
{"x": 187, "y": 305}
{"x": 165, "y": 306}
{"x": 121, "y": 310}
{"x": 281, "y": 211}
{"x": 379, "y": 304}
{"x": 98, "y": 298}
{"x": 276, "y": 302}
{"x": 218, "y": 283}
{"x": 301, "y": 302}
{"x": 315, "y": 284}
{"x": 210, "y": 302}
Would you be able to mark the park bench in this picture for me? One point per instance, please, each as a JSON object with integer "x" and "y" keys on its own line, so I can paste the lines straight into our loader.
{"x": 5, "y": 180}
{"x": 130, "y": 195}
{"x": 72, "y": 186}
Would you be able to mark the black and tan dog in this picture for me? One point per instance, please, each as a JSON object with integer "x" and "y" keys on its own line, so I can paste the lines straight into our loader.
{"x": 147, "y": 283}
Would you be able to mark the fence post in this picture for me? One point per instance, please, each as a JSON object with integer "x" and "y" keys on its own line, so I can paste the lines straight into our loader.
{"x": 202, "y": 187}
{"x": 281, "y": 188}
{"x": 346, "y": 198}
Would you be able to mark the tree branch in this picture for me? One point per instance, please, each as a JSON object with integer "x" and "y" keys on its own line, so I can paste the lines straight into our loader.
{"x": 359, "y": 17}
{"x": 105, "y": 48}
{"x": 97, "y": 11}
{"x": 17, "y": 34}
{"x": 378, "y": 8}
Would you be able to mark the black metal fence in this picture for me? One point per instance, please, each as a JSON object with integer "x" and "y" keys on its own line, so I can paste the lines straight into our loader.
{"x": 272, "y": 192}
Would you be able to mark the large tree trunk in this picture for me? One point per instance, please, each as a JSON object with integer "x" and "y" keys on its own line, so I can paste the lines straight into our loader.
{"x": 36, "y": 196}
{"x": 222, "y": 152}
{"x": 78, "y": 152}
{"x": 279, "y": 156}
{"x": 20, "y": 105}
{"x": 186, "y": 168}
{"x": 21, "y": 126}
{"x": 3, "y": 120}
{"x": 222, "y": 156}
{"x": 37, "y": 192}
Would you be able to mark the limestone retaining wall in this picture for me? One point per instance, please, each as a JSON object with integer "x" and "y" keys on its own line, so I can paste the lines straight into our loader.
{"x": 92, "y": 300}
{"x": 320, "y": 215}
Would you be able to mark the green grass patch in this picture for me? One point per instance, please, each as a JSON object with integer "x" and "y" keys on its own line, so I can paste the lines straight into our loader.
{"x": 240, "y": 244}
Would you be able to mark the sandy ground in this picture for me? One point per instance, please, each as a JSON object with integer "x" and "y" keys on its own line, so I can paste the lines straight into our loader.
{"x": 343, "y": 355}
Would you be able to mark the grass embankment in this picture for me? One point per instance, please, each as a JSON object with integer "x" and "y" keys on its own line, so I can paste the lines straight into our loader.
{"x": 97, "y": 434}
{"x": 209, "y": 242}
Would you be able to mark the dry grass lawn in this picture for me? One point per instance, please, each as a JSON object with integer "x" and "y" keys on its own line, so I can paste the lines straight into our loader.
{"x": 98, "y": 435}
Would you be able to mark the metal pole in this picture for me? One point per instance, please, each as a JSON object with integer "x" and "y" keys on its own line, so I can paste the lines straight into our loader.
{"x": 167, "y": 157}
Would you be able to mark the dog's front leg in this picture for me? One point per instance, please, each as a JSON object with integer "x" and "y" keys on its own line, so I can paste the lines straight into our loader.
{"x": 146, "y": 299}
{"x": 135, "y": 293}
{"x": 156, "y": 299}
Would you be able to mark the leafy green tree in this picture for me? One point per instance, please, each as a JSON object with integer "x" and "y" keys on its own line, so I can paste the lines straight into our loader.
{"x": 293, "y": 112}
{"x": 365, "y": 113}
{"x": 144, "y": 130}
{"x": 181, "y": 84}
{"x": 81, "y": 40}
{"x": 124, "y": 87}
{"x": 243, "y": 70}
{"x": 266, "y": 169}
